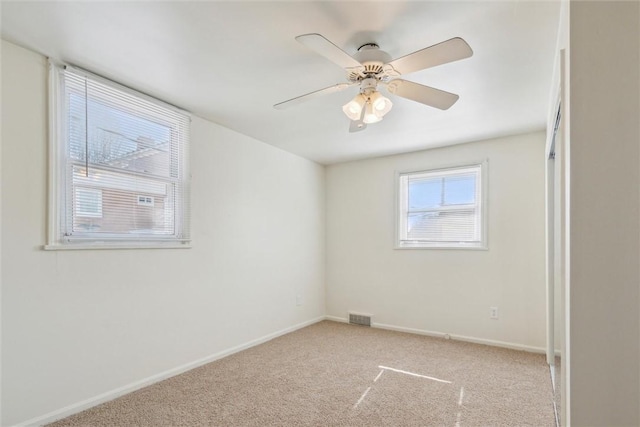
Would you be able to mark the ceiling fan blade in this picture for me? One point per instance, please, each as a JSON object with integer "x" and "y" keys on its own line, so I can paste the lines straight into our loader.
{"x": 438, "y": 54}
{"x": 333, "y": 53}
{"x": 358, "y": 125}
{"x": 303, "y": 98}
{"x": 423, "y": 94}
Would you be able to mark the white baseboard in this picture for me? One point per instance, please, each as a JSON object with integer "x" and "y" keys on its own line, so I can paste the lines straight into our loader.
{"x": 113, "y": 394}
{"x": 337, "y": 319}
{"x": 484, "y": 341}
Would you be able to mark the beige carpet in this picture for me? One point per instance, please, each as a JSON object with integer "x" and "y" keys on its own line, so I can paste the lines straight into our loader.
{"x": 331, "y": 374}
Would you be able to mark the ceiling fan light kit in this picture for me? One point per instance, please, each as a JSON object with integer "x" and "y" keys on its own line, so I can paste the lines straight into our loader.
{"x": 374, "y": 104}
{"x": 371, "y": 67}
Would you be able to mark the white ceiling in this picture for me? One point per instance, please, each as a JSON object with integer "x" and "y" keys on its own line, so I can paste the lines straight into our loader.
{"x": 229, "y": 62}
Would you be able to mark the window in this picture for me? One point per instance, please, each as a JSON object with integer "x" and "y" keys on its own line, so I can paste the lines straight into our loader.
{"x": 119, "y": 167}
{"x": 442, "y": 208}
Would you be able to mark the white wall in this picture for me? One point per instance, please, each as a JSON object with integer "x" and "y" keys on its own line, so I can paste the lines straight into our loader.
{"x": 76, "y": 324}
{"x": 604, "y": 212}
{"x": 446, "y": 291}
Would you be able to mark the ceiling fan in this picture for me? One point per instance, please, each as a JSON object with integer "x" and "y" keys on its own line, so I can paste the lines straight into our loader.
{"x": 371, "y": 68}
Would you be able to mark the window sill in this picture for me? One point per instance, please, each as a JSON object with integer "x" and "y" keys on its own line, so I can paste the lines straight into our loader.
{"x": 119, "y": 245}
{"x": 464, "y": 248}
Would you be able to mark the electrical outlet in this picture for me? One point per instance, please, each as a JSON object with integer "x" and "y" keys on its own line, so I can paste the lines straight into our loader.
{"x": 493, "y": 312}
{"x": 298, "y": 299}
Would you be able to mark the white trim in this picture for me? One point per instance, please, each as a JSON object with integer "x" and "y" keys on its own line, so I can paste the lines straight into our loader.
{"x": 113, "y": 394}
{"x": 550, "y": 241}
{"x": 459, "y": 247}
{"x": 336, "y": 319}
{"x": 115, "y": 245}
{"x": 54, "y": 161}
{"x": 565, "y": 215}
{"x": 493, "y": 343}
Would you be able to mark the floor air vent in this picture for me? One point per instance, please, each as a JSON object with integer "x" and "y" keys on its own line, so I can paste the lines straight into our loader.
{"x": 360, "y": 319}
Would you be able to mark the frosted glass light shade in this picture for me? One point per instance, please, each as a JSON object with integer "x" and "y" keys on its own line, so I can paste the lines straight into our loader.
{"x": 353, "y": 108}
{"x": 381, "y": 105}
{"x": 370, "y": 115}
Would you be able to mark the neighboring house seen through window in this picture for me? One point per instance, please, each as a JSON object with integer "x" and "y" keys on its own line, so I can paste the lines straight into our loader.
{"x": 87, "y": 203}
{"x": 442, "y": 208}
{"x": 119, "y": 165}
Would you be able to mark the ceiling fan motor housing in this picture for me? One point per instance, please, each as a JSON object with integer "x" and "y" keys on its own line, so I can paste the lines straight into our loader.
{"x": 372, "y": 58}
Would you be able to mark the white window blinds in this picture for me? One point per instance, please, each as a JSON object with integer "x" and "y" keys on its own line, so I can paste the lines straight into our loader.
{"x": 441, "y": 208}
{"x": 118, "y": 147}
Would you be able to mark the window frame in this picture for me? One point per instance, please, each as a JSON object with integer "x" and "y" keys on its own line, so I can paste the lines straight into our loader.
{"x": 58, "y": 161}
{"x": 401, "y": 212}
